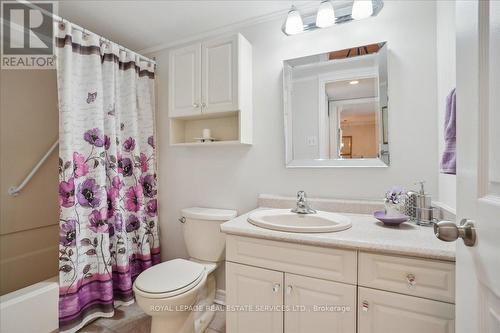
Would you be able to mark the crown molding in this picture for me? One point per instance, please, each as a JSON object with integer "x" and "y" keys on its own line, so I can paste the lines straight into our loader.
{"x": 230, "y": 28}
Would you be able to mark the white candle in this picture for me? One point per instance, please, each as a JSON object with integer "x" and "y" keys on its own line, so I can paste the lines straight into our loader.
{"x": 206, "y": 133}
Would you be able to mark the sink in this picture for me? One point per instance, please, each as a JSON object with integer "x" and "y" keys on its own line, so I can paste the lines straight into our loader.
{"x": 285, "y": 220}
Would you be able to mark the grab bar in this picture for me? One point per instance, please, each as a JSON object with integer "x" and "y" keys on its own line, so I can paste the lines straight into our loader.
{"x": 14, "y": 190}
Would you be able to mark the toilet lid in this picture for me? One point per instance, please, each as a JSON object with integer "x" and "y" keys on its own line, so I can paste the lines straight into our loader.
{"x": 169, "y": 276}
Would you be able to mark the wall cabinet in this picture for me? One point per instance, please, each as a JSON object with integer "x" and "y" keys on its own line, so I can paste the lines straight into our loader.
{"x": 279, "y": 287}
{"x": 211, "y": 80}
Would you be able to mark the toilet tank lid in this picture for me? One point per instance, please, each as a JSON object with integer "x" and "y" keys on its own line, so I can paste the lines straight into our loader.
{"x": 212, "y": 214}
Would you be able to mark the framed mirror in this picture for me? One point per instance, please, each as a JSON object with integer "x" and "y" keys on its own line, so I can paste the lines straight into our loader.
{"x": 336, "y": 108}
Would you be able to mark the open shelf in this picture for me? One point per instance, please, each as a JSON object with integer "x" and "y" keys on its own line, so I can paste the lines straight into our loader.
{"x": 225, "y": 128}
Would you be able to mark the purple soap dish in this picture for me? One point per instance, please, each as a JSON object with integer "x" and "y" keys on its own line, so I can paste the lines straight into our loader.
{"x": 390, "y": 220}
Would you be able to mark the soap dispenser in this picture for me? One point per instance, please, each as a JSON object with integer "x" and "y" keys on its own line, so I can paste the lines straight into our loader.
{"x": 419, "y": 206}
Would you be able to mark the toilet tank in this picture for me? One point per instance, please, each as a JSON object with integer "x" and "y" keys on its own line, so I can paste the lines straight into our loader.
{"x": 201, "y": 227}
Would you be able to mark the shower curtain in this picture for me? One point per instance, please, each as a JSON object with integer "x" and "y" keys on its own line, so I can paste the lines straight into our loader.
{"x": 107, "y": 189}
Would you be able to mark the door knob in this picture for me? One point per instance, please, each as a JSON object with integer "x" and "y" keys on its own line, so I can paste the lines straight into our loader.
{"x": 448, "y": 231}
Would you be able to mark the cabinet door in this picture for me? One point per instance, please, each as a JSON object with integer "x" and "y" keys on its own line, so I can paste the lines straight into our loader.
{"x": 248, "y": 291}
{"x": 220, "y": 75}
{"x": 386, "y": 312}
{"x": 319, "y": 306}
{"x": 185, "y": 81}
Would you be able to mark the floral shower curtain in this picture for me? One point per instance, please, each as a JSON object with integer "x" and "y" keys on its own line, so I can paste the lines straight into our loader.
{"x": 107, "y": 189}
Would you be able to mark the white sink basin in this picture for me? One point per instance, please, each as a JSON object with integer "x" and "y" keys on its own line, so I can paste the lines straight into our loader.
{"x": 285, "y": 220}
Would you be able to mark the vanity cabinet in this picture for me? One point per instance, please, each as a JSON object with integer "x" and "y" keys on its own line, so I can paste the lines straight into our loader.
{"x": 210, "y": 86}
{"x": 298, "y": 288}
{"x": 262, "y": 300}
{"x": 388, "y": 312}
{"x": 254, "y": 298}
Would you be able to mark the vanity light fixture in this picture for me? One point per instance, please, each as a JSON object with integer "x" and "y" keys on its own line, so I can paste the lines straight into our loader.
{"x": 326, "y": 14}
{"x": 362, "y": 9}
{"x": 293, "y": 23}
{"x": 329, "y": 13}
{"x": 353, "y": 82}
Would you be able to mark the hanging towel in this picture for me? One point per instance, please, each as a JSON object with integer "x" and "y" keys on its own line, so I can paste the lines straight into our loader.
{"x": 449, "y": 158}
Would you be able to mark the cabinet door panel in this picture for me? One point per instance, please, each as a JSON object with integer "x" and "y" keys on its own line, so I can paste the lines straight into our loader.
{"x": 185, "y": 81}
{"x": 220, "y": 75}
{"x": 319, "y": 306}
{"x": 386, "y": 312}
{"x": 248, "y": 290}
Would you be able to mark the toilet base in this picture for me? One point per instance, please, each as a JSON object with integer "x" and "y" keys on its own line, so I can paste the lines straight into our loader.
{"x": 182, "y": 322}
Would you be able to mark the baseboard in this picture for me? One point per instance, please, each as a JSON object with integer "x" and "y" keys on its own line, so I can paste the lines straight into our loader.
{"x": 220, "y": 297}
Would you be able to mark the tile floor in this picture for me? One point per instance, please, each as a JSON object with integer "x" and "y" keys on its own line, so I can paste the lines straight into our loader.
{"x": 131, "y": 319}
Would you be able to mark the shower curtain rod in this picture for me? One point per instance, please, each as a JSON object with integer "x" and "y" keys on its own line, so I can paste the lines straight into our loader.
{"x": 14, "y": 190}
{"x": 85, "y": 31}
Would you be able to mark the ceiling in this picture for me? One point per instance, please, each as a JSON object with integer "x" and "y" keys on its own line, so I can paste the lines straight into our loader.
{"x": 343, "y": 90}
{"x": 139, "y": 25}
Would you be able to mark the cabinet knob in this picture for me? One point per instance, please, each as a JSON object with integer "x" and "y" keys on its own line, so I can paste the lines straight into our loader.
{"x": 365, "y": 306}
{"x": 204, "y": 104}
{"x": 276, "y": 287}
{"x": 412, "y": 281}
{"x": 289, "y": 289}
{"x": 196, "y": 105}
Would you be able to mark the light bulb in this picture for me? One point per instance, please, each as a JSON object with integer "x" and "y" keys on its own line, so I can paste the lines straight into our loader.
{"x": 293, "y": 24}
{"x": 326, "y": 15}
{"x": 362, "y": 9}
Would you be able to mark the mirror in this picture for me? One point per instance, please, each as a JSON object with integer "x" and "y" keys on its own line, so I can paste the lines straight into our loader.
{"x": 336, "y": 108}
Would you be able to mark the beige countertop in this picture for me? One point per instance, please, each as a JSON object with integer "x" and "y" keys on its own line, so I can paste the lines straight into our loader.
{"x": 366, "y": 234}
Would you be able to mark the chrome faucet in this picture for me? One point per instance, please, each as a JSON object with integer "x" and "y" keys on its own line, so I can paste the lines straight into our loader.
{"x": 303, "y": 206}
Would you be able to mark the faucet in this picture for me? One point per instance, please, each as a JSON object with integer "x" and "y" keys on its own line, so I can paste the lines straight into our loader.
{"x": 303, "y": 206}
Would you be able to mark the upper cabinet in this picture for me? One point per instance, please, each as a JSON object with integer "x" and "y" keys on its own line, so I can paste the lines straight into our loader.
{"x": 208, "y": 80}
{"x": 185, "y": 81}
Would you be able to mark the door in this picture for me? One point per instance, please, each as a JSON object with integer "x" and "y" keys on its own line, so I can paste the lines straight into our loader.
{"x": 319, "y": 306}
{"x": 254, "y": 299}
{"x": 220, "y": 75}
{"x": 478, "y": 164}
{"x": 184, "y": 81}
{"x": 385, "y": 312}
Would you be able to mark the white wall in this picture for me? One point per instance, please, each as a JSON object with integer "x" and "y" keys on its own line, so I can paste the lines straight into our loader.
{"x": 232, "y": 177}
{"x": 446, "y": 80}
{"x": 304, "y": 108}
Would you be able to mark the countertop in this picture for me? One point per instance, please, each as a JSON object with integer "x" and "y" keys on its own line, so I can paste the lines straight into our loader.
{"x": 366, "y": 234}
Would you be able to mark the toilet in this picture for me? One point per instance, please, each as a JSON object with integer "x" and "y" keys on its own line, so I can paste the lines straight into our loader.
{"x": 177, "y": 293}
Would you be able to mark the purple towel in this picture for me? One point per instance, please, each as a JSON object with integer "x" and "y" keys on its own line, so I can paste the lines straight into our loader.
{"x": 449, "y": 158}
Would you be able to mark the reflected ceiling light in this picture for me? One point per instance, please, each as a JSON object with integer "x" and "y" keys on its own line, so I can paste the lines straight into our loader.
{"x": 362, "y": 9}
{"x": 354, "y": 82}
{"x": 326, "y": 14}
{"x": 293, "y": 23}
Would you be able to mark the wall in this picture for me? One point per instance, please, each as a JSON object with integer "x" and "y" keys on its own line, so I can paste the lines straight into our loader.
{"x": 305, "y": 118}
{"x": 364, "y": 140}
{"x": 28, "y": 222}
{"x": 446, "y": 80}
{"x": 232, "y": 177}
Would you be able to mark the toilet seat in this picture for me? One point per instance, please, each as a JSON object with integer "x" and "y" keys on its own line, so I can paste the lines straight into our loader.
{"x": 169, "y": 279}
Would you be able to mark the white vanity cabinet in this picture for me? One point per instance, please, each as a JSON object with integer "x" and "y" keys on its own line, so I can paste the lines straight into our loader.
{"x": 210, "y": 86}
{"x": 297, "y": 288}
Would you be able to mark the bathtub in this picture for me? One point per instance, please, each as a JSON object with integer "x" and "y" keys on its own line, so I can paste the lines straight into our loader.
{"x": 31, "y": 309}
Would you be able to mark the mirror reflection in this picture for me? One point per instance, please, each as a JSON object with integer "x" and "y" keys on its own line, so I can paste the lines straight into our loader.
{"x": 336, "y": 108}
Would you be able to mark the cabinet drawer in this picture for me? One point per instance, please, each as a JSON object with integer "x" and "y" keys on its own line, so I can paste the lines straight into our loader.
{"x": 386, "y": 312}
{"x": 417, "y": 277}
{"x": 325, "y": 263}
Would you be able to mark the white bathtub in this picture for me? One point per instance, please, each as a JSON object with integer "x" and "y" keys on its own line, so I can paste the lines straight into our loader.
{"x": 31, "y": 309}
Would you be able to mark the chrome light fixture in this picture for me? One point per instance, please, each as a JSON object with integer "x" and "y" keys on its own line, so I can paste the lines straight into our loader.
{"x": 330, "y": 12}
{"x": 293, "y": 23}
{"x": 362, "y": 9}
{"x": 326, "y": 14}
